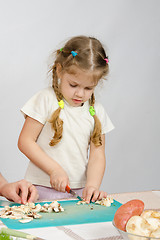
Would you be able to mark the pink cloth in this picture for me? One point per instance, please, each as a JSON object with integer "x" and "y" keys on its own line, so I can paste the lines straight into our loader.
{"x": 47, "y": 193}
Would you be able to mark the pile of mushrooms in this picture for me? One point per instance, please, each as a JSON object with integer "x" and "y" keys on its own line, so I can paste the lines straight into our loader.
{"x": 147, "y": 224}
{"x": 28, "y": 212}
{"x": 104, "y": 202}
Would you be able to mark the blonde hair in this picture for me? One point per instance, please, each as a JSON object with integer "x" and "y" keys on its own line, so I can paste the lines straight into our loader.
{"x": 90, "y": 57}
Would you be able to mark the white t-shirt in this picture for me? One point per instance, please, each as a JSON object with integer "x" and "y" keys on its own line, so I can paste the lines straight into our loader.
{"x": 72, "y": 151}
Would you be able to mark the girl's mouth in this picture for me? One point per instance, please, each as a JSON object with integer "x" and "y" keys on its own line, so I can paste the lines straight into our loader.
{"x": 77, "y": 101}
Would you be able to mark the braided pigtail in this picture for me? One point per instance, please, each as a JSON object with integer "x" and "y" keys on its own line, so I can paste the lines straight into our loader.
{"x": 97, "y": 131}
{"x": 56, "y": 122}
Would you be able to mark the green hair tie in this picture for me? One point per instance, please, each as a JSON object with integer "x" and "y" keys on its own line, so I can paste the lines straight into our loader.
{"x": 92, "y": 111}
{"x": 61, "y": 104}
{"x": 61, "y": 49}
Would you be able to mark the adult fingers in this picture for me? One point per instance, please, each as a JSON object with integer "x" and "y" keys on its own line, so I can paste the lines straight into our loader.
{"x": 24, "y": 188}
{"x": 33, "y": 194}
{"x": 13, "y": 196}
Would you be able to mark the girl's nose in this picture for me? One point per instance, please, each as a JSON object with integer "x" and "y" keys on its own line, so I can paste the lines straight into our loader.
{"x": 79, "y": 92}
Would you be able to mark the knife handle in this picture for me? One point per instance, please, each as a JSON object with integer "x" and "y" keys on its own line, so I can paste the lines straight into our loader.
{"x": 68, "y": 189}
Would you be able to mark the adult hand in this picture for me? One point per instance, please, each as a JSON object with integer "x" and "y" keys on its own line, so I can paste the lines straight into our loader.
{"x": 19, "y": 192}
{"x": 93, "y": 194}
{"x": 59, "y": 180}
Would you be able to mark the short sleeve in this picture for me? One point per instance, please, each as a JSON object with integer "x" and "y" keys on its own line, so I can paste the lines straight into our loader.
{"x": 37, "y": 107}
{"x": 106, "y": 123}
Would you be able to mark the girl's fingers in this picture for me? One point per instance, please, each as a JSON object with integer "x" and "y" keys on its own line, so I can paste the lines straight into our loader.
{"x": 102, "y": 195}
{"x": 63, "y": 186}
{"x": 95, "y": 195}
{"x": 88, "y": 196}
{"x": 60, "y": 185}
{"x": 92, "y": 194}
{"x": 84, "y": 193}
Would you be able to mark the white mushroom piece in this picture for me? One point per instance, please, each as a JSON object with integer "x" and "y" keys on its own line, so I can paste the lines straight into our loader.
{"x": 105, "y": 201}
{"x": 28, "y": 212}
{"x": 150, "y": 213}
{"x": 156, "y": 233}
{"x": 81, "y": 202}
{"x": 26, "y": 220}
{"x": 154, "y": 223}
{"x": 139, "y": 226}
{"x": 56, "y": 207}
{"x": 37, "y": 208}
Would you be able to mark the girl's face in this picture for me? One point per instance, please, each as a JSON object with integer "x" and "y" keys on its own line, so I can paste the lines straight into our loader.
{"x": 77, "y": 88}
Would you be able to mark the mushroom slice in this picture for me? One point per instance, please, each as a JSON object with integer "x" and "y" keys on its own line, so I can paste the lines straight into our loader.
{"x": 139, "y": 226}
{"x": 155, "y": 214}
{"x": 154, "y": 223}
{"x": 37, "y": 208}
{"x": 7, "y": 208}
{"x": 2, "y": 212}
{"x": 31, "y": 205}
{"x": 54, "y": 204}
{"x": 43, "y": 209}
{"x": 36, "y": 216}
{"x": 61, "y": 209}
{"x": 26, "y": 220}
{"x": 147, "y": 213}
{"x": 150, "y": 213}
{"x": 55, "y": 209}
{"x": 105, "y": 201}
{"x": 156, "y": 233}
{"x": 81, "y": 202}
{"x": 49, "y": 209}
{"x": 4, "y": 216}
{"x": 46, "y": 205}
{"x": 15, "y": 217}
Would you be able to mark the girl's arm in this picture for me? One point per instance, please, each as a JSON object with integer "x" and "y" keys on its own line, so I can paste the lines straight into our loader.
{"x": 95, "y": 172}
{"x": 20, "y": 192}
{"x": 28, "y": 145}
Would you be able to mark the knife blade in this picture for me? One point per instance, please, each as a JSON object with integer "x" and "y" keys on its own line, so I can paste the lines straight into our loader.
{"x": 20, "y": 234}
{"x": 69, "y": 190}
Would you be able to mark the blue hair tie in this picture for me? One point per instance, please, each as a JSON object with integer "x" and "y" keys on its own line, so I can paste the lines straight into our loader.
{"x": 73, "y": 53}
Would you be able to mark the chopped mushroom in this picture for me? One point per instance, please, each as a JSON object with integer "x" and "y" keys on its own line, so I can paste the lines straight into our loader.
{"x": 104, "y": 202}
{"x": 28, "y": 212}
{"x": 156, "y": 233}
{"x": 138, "y": 225}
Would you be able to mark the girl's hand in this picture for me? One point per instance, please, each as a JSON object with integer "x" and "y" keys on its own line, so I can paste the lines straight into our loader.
{"x": 59, "y": 180}
{"x": 93, "y": 194}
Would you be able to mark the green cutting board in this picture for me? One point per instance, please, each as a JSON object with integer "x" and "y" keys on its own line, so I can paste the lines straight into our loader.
{"x": 73, "y": 214}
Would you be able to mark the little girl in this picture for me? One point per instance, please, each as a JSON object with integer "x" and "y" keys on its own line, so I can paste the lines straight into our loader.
{"x": 64, "y": 121}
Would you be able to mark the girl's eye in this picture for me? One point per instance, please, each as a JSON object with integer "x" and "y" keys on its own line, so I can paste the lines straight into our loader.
{"x": 87, "y": 88}
{"x": 72, "y": 85}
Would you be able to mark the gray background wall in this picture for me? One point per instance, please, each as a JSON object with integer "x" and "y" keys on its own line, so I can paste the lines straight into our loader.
{"x": 129, "y": 29}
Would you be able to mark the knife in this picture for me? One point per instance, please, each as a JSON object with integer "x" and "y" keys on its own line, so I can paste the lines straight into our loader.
{"x": 16, "y": 233}
{"x": 69, "y": 190}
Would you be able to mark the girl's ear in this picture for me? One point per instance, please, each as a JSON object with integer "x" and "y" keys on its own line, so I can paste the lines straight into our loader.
{"x": 59, "y": 70}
